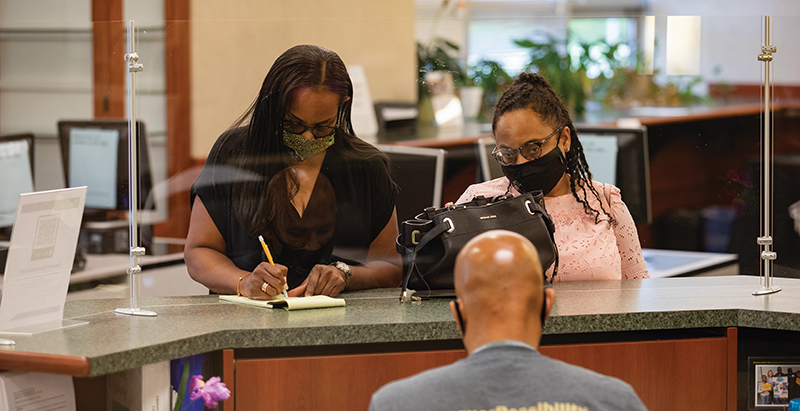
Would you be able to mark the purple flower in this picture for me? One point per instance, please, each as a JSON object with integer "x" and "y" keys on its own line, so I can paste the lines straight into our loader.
{"x": 212, "y": 391}
{"x": 743, "y": 178}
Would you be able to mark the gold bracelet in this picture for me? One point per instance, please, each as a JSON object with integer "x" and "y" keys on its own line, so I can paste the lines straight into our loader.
{"x": 239, "y": 282}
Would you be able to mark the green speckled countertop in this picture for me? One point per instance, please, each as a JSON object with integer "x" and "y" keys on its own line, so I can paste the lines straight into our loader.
{"x": 191, "y": 325}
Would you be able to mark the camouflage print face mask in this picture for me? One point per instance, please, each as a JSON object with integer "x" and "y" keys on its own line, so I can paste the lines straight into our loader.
{"x": 302, "y": 149}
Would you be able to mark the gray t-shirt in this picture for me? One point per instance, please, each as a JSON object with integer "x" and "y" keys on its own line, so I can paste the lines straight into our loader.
{"x": 506, "y": 377}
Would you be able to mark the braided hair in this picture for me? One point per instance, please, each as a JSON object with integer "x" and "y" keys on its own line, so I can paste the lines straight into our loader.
{"x": 531, "y": 91}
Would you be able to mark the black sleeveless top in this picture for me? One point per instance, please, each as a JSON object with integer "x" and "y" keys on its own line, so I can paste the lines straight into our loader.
{"x": 364, "y": 200}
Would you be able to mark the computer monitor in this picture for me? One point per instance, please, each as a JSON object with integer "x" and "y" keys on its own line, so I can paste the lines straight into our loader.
{"x": 488, "y": 167}
{"x": 16, "y": 171}
{"x": 419, "y": 172}
{"x": 628, "y": 168}
{"x": 618, "y": 156}
{"x": 95, "y": 154}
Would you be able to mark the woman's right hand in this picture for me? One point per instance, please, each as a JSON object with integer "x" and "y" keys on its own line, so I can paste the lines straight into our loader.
{"x": 265, "y": 282}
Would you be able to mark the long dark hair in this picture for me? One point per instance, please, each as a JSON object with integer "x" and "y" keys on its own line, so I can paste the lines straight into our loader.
{"x": 262, "y": 151}
{"x": 531, "y": 91}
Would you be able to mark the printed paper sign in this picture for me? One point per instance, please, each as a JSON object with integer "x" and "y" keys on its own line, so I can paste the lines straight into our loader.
{"x": 40, "y": 258}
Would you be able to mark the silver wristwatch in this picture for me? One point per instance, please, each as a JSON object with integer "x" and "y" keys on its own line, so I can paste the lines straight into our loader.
{"x": 345, "y": 269}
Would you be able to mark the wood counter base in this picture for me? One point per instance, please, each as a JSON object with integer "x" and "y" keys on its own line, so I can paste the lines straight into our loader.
{"x": 667, "y": 374}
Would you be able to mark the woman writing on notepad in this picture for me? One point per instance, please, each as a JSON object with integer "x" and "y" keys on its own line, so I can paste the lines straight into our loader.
{"x": 292, "y": 170}
{"x": 539, "y": 150}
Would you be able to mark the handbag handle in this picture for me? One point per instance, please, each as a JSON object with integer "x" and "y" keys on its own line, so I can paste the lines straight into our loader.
{"x": 447, "y": 226}
{"x": 439, "y": 229}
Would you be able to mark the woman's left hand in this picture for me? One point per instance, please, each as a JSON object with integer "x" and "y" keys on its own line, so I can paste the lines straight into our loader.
{"x": 322, "y": 280}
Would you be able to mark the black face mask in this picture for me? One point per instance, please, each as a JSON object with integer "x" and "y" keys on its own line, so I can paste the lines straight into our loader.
{"x": 459, "y": 318}
{"x": 540, "y": 174}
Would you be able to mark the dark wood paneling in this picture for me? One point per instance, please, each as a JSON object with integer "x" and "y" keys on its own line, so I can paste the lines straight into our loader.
{"x": 667, "y": 375}
{"x": 692, "y": 164}
{"x": 90, "y": 393}
{"x": 733, "y": 352}
{"x": 327, "y": 383}
{"x": 109, "y": 48}
{"x": 229, "y": 378}
{"x": 179, "y": 124}
{"x": 750, "y": 91}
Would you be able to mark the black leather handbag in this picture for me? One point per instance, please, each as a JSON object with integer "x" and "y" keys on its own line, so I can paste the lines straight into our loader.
{"x": 430, "y": 242}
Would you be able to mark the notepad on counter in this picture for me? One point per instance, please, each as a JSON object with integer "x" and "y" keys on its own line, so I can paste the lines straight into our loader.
{"x": 290, "y": 303}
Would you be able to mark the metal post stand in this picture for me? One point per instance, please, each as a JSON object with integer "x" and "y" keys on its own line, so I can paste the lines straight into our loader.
{"x": 133, "y": 182}
{"x": 765, "y": 241}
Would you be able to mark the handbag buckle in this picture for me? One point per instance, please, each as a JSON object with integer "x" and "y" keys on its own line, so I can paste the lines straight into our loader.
{"x": 528, "y": 206}
{"x": 450, "y": 223}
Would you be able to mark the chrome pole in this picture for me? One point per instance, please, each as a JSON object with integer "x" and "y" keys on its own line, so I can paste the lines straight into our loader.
{"x": 133, "y": 181}
{"x": 765, "y": 240}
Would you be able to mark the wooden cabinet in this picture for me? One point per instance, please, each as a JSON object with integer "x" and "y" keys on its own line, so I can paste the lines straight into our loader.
{"x": 685, "y": 374}
{"x": 679, "y": 374}
{"x": 341, "y": 382}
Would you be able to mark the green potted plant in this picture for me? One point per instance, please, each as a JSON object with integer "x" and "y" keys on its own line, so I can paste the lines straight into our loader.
{"x": 617, "y": 85}
{"x": 557, "y": 68}
{"x": 628, "y": 87}
{"x": 490, "y": 76}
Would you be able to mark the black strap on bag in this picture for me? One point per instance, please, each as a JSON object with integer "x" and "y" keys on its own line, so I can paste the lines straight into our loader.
{"x": 430, "y": 242}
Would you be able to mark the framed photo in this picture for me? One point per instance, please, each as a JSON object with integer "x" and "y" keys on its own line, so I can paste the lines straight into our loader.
{"x": 772, "y": 382}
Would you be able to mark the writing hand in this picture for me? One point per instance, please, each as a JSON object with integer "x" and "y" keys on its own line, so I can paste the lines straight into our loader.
{"x": 322, "y": 280}
{"x": 265, "y": 282}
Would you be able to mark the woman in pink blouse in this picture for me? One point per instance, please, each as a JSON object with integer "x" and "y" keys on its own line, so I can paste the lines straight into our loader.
{"x": 539, "y": 150}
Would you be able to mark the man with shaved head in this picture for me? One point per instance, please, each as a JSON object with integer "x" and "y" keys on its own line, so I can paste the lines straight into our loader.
{"x": 500, "y": 309}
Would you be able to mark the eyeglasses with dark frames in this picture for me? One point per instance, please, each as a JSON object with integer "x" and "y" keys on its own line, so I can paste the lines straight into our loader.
{"x": 531, "y": 150}
{"x": 316, "y": 131}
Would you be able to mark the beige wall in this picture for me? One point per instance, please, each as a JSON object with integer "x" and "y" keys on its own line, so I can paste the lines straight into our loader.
{"x": 234, "y": 43}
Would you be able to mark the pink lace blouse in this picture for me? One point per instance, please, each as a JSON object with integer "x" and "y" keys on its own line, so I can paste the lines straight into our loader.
{"x": 587, "y": 251}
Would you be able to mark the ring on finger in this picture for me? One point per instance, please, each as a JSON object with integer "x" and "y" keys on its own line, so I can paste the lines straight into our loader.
{"x": 264, "y": 287}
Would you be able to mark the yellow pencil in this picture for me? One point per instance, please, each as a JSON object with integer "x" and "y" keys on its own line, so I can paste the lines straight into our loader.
{"x": 269, "y": 258}
{"x": 266, "y": 250}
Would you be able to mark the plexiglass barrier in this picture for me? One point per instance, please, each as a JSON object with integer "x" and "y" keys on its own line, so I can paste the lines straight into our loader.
{"x": 703, "y": 124}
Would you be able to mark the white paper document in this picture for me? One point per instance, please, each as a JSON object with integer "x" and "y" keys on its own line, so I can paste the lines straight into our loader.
{"x": 40, "y": 258}
{"x": 33, "y": 391}
{"x": 289, "y": 303}
{"x": 365, "y": 123}
{"x": 144, "y": 388}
